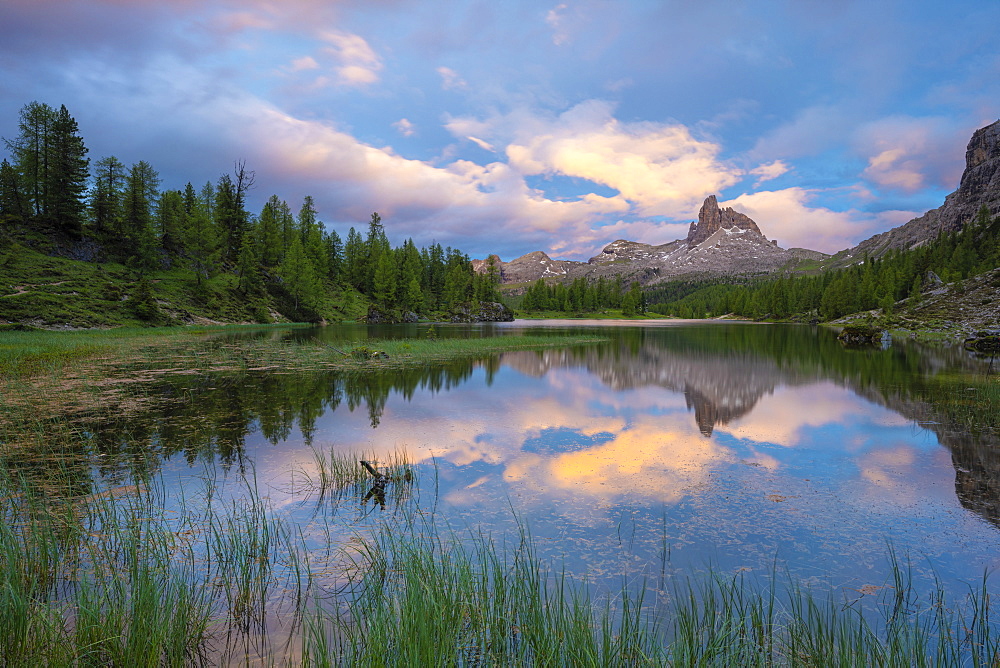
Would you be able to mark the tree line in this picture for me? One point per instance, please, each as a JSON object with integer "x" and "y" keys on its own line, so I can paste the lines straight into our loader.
{"x": 871, "y": 283}
{"x": 583, "y": 296}
{"x": 276, "y": 255}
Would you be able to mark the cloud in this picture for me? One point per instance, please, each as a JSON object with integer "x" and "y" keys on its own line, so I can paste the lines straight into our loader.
{"x": 812, "y": 131}
{"x": 359, "y": 65}
{"x": 911, "y": 154}
{"x": 786, "y": 215}
{"x": 405, "y": 127}
{"x": 450, "y": 79}
{"x": 304, "y": 63}
{"x": 661, "y": 168}
{"x": 557, "y": 21}
{"x": 486, "y": 146}
{"x": 769, "y": 171}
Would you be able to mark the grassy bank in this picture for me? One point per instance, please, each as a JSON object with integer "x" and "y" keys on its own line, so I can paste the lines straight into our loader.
{"x": 48, "y": 380}
{"x": 132, "y": 575}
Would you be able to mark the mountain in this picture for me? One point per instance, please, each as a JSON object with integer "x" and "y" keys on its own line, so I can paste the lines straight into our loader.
{"x": 980, "y": 185}
{"x": 719, "y": 243}
{"x": 724, "y": 241}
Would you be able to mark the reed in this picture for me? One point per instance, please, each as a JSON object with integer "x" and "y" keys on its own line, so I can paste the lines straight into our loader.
{"x": 111, "y": 577}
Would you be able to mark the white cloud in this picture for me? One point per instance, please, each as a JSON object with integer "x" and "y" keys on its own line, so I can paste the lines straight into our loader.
{"x": 358, "y": 64}
{"x": 405, "y": 127}
{"x": 486, "y": 146}
{"x": 304, "y": 63}
{"x": 450, "y": 79}
{"x": 786, "y": 215}
{"x": 769, "y": 171}
{"x": 557, "y": 21}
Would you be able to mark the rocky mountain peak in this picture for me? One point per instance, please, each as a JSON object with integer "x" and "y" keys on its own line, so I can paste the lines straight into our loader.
{"x": 711, "y": 219}
{"x": 980, "y": 182}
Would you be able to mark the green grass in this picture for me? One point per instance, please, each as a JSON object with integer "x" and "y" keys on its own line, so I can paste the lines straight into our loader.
{"x": 110, "y": 577}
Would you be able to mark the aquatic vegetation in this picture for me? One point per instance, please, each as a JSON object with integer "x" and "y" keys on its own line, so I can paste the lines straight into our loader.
{"x": 125, "y": 576}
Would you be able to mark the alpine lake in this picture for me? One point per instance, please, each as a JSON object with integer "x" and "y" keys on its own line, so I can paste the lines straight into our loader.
{"x": 654, "y": 493}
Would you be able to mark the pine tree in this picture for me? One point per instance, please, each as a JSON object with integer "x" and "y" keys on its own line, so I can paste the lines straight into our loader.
{"x": 384, "y": 288}
{"x": 170, "y": 216}
{"x": 107, "y": 195}
{"x": 270, "y": 232}
{"x": 312, "y": 236}
{"x": 201, "y": 239}
{"x": 13, "y": 207}
{"x": 141, "y": 194}
{"x": 299, "y": 278}
{"x": 67, "y": 174}
{"x": 354, "y": 259}
{"x": 251, "y": 282}
{"x": 335, "y": 255}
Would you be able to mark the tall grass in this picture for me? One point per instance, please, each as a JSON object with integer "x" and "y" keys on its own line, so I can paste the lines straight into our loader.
{"x": 126, "y": 576}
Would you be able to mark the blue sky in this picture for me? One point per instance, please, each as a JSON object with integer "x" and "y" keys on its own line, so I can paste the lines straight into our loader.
{"x": 515, "y": 126}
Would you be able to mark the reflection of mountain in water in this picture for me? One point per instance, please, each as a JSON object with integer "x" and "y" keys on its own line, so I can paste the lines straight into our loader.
{"x": 724, "y": 373}
{"x": 718, "y": 386}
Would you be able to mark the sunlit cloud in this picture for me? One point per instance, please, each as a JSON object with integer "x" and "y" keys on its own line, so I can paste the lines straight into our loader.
{"x": 661, "y": 168}
{"x": 789, "y": 216}
{"x": 661, "y": 460}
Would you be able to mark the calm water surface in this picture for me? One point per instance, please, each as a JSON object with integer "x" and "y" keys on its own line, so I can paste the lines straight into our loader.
{"x": 671, "y": 449}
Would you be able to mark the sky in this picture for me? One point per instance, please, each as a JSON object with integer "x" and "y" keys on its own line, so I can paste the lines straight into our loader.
{"x": 523, "y": 125}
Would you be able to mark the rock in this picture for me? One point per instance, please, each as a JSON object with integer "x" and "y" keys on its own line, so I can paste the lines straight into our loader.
{"x": 377, "y": 316}
{"x": 480, "y": 312}
{"x": 494, "y": 312}
{"x": 932, "y": 281}
{"x": 711, "y": 219}
{"x": 862, "y": 335}
{"x": 984, "y": 342}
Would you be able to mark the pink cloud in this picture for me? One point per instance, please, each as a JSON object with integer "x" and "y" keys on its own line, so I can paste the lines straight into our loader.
{"x": 910, "y": 154}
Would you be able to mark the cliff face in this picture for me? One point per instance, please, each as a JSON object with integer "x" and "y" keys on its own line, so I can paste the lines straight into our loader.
{"x": 980, "y": 181}
{"x": 980, "y": 185}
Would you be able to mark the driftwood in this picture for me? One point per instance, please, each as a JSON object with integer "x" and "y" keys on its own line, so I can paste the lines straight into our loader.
{"x": 377, "y": 491}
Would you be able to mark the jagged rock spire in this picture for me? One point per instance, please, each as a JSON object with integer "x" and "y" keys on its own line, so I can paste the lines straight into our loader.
{"x": 711, "y": 219}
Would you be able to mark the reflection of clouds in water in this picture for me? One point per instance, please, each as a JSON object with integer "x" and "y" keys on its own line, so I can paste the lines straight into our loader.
{"x": 904, "y": 477}
{"x": 781, "y": 418}
{"x": 658, "y": 459}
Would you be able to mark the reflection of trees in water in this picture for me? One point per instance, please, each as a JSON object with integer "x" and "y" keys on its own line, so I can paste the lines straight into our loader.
{"x": 208, "y": 417}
